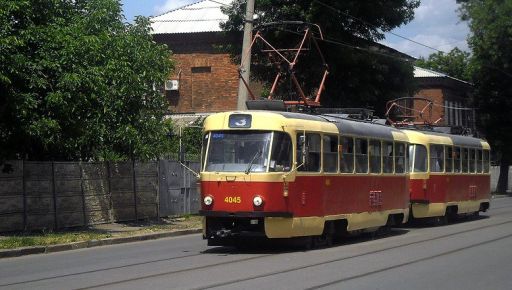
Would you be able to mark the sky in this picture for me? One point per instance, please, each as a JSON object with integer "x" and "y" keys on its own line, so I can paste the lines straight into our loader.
{"x": 436, "y": 24}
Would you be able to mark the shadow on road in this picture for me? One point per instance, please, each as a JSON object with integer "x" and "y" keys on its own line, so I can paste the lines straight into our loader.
{"x": 279, "y": 246}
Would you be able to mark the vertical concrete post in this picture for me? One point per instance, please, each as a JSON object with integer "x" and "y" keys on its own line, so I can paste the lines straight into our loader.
{"x": 245, "y": 64}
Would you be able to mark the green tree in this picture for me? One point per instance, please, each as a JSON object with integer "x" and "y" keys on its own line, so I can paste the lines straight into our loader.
{"x": 77, "y": 83}
{"x": 362, "y": 73}
{"x": 454, "y": 63}
{"x": 490, "y": 41}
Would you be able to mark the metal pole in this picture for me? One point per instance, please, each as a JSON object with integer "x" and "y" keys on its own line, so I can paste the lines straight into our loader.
{"x": 245, "y": 65}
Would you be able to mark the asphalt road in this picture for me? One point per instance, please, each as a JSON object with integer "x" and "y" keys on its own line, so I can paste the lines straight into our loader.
{"x": 470, "y": 254}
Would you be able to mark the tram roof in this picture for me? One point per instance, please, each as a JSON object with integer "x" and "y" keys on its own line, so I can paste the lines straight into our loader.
{"x": 350, "y": 126}
{"x": 457, "y": 140}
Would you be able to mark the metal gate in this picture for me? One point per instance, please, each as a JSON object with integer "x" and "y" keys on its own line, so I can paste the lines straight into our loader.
{"x": 178, "y": 188}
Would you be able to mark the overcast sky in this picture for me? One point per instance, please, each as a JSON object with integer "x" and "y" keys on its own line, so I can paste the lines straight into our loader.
{"x": 436, "y": 24}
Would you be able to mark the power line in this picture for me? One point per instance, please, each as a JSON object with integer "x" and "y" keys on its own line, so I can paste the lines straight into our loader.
{"x": 344, "y": 44}
{"x": 376, "y": 27}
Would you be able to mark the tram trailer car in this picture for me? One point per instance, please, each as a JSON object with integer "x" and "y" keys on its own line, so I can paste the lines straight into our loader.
{"x": 449, "y": 175}
{"x": 289, "y": 175}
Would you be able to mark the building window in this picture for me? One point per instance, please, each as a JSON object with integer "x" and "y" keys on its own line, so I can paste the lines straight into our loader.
{"x": 201, "y": 69}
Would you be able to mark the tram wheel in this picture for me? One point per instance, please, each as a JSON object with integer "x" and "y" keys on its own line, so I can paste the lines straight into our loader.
{"x": 440, "y": 220}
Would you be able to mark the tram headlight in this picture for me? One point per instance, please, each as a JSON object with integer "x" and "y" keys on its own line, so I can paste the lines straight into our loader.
{"x": 257, "y": 200}
{"x": 208, "y": 200}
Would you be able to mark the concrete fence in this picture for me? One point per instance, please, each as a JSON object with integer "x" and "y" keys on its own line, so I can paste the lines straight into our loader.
{"x": 54, "y": 195}
{"x": 495, "y": 174}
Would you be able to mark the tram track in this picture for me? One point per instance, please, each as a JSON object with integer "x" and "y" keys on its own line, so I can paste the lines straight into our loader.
{"x": 408, "y": 263}
{"x": 233, "y": 261}
{"x": 202, "y": 267}
{"x": 357, "y": 256}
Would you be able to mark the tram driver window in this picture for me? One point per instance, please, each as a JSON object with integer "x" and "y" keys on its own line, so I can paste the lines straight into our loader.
{"x": 436, "y": 158}
{"x": 313, "y": 149}
{"x": 361, "y": 155}
{"x": 281, "y": 156}
{"x": 375, "y": 158}
{"x": 347, "y": 155}
{"x": 330, "y": 152}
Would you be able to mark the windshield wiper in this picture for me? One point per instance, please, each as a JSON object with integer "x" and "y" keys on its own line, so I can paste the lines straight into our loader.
{"x": 256, "y": 155}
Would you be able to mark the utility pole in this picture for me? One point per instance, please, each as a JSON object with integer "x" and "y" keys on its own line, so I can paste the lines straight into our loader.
{"x": 245, "y": 64}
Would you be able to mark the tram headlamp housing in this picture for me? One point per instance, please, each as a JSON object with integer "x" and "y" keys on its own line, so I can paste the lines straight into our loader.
{"x": 208, "y": 200}
{"x": 257, "y": 200}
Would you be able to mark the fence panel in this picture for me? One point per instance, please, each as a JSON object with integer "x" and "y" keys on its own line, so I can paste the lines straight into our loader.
{"x": 55, "y": 195}
{"x": 178, "y": 188}
{"x": 495, "y": 174}
{"x": 122, "y": 190}
{"x": 12, "y": 199}
{"x": 146, "y": 180}
{"x": 39, "y": 195}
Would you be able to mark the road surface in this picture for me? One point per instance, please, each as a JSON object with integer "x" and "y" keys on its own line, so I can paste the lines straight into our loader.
{"x": 470, "y": 254}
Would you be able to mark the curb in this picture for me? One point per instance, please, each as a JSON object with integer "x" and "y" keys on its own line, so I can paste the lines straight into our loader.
{"x": 18, "y": 252}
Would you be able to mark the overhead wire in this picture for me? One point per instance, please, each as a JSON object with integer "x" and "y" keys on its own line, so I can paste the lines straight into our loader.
{"x": 376, "y": 27}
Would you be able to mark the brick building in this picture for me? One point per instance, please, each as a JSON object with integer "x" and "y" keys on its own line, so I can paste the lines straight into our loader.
{"x": 205, "y": 79}
{"x": 451, "y": 98}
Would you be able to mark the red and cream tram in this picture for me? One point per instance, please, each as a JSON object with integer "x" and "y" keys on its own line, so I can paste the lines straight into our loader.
{"x": 284, "y": 175}
{"x": 449, "y": 175}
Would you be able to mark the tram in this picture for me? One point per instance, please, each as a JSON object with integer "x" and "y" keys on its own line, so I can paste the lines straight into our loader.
{"x": 449, "y": 175}
{"x": 290, "y": 175}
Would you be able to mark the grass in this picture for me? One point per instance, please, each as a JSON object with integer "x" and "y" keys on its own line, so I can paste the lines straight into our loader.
{"x": 17, "y": 240}
{"x": 45, "y": 239}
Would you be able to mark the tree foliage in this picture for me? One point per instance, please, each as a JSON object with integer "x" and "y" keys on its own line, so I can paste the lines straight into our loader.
{"x": 454, "y": 63}
{"x": 490, "y": 41}
{"x": 77, "y": 83}
{"x": 362, "y": 73}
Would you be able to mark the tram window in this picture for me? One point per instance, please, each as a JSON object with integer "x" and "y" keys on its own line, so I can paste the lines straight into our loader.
{"x": 472, "y": 159}
{"x": 448, "y": 154}
{"x": 361, "y": 155}
{"x": 486, "y": 160}
{"x": 312, "y": 144}
{"x": 418, "y": 158}
{"x": 281, "y": 156}
{"x": 330, "y": 153}
{"x": 399, "y": 158}
{"x": 238, "y": 151}
{"x": 347, "y": 155}
{"x": 436, "y": 158}
{"x": 456, "y": 159}
{"x": 465, "y": 157}
{"x": 479, "y": 159}
{"x": 375, "y": 156}
{"x": 203, "y": 149}
{"x": 387, "y": 157}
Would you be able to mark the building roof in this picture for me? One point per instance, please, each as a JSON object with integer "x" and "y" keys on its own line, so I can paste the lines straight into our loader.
{"x": 200, "y": 16}
{"x": 426, "y": 73}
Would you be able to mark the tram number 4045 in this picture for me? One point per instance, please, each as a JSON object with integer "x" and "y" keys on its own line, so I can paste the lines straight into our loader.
{"x": 233, "y": 199}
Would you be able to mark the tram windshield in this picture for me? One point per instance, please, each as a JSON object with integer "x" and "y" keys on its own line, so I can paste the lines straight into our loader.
{"x": 248, "y": 151}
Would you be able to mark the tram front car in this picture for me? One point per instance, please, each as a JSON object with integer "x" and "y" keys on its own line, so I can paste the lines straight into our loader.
{"x": 246, "y": 159}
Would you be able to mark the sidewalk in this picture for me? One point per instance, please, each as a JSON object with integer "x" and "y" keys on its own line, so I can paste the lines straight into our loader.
{"x": 119, "y": 233}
